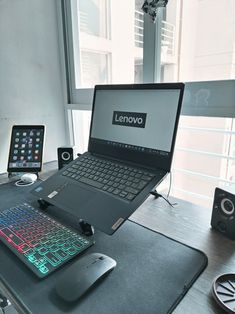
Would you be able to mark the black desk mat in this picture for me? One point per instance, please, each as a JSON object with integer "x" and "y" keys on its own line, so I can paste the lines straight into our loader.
{"x": 153, "y": 272}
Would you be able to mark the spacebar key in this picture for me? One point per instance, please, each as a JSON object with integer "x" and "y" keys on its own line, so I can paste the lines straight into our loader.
{"x": 91, "y": 182}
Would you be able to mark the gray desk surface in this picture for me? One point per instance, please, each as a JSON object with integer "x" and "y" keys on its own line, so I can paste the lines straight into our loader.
{"x": 189, "y": 224}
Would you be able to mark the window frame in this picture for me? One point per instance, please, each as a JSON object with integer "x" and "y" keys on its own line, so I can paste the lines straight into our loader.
{"x": 81, "y": 99}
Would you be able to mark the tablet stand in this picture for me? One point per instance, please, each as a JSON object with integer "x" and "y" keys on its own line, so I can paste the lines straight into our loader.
{"x": 12, "y": 174}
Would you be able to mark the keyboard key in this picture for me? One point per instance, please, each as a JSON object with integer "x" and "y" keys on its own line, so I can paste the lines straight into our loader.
{"x": 110, "y": 189}
{"x": 72, "y": 250}
{"x": 52, "y": 259}
{"x": 123, "y": 194}
{"x": 91, "y": 182}
{"x": 62, "y": 254}
{"x": 147, "y": 177}
{"x": 131, "y": 190}
{"x": 116, "y": 191}
{"x": 24, "y": 248}
{"x": 130, "y": 197}
{"x": 11, "y": 236}
{"x": 43, "y": 269}
{"x": 42, "y": 251}
{"x": 78, "y": 244}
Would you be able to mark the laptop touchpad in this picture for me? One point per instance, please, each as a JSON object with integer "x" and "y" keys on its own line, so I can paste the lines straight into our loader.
{"x": 75, "y": 199}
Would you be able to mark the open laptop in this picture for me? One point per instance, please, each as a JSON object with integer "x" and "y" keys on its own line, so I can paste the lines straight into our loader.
{"x": 131, "y": 144}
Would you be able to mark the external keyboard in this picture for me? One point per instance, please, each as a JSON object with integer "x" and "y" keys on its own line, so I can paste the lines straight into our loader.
{"x": 42, "y": 243}
{"x": 115, "y": 178}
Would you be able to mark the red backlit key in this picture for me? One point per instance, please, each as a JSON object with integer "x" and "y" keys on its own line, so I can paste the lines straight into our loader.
{"x": 24, "y": 248}
{"x": 9, "y": 235}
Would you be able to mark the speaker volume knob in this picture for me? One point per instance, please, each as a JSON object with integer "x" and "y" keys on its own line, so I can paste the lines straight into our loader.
{"x": 227, "y": 206}
{"x": 65, "y": 156}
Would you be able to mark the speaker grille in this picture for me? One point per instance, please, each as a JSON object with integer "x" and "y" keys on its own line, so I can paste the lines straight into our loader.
{"x": 65, "y": 156}
{"x": 223, "y": 214}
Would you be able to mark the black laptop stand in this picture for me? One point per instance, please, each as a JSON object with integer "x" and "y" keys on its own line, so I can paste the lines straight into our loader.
{"x": 85, "y": 227}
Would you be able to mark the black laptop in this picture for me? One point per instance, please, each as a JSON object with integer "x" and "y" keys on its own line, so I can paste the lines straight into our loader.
{"x": 131, "y": 144}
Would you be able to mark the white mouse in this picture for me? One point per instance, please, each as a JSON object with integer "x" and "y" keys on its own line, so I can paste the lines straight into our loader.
{"x": 29, "y": 177}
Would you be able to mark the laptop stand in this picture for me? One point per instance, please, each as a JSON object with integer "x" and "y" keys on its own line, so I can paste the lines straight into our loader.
{"x": 43, "y": 204}
{"x": 86, "y": 228}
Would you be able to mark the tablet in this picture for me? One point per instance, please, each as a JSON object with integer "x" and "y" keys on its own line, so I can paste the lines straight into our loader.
{"x": 26, "y": 148}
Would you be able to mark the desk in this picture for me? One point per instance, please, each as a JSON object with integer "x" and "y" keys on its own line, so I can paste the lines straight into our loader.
{"x": 188, "y": 224}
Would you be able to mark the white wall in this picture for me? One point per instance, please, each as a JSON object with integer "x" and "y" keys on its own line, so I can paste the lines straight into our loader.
{"x": 31, "y": 81}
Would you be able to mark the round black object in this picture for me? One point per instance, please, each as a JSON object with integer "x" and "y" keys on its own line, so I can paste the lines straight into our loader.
{"x": 222, "y": 226}
{"x": 3, "y": 301}
{"x": 65, "y": 156}
{"x": 223, "y": 291}
{"x": 227, "y": 206}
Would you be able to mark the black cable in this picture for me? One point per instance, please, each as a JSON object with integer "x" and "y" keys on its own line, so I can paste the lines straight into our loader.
{"x": 157, "y": 195}
{"x": 171, "y": 204}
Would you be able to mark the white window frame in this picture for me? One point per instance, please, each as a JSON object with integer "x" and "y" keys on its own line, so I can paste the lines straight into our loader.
{"x": 221, "y": 102}
{"x": 81, "y": 99}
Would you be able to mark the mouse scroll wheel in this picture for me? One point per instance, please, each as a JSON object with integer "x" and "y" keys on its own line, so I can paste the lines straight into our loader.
{"x": 101, "y": 257}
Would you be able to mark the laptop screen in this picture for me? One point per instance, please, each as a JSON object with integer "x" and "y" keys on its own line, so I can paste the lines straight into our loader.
{"x": 136, "y": 122}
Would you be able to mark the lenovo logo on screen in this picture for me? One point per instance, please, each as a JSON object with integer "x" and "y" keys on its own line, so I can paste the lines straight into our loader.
{"x": 125, "y": 118}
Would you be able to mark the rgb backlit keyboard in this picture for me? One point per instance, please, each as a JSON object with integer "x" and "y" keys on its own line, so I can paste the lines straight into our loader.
{"x": 42, "y": 243}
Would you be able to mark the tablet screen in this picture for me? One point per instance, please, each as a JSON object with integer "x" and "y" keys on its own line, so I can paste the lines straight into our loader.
{"x": 26, "y": 148}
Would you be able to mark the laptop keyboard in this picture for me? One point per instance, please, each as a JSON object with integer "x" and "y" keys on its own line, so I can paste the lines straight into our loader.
{"x": 114, "y": 178}
{"x": 42, "y": 243}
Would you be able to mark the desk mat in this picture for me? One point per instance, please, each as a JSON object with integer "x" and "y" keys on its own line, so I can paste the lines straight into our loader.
{"x": 153, "y": 272}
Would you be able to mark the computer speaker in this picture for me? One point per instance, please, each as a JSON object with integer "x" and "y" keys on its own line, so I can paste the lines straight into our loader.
{"x": 65, "y": 156}
{"x": 223, "y": 212}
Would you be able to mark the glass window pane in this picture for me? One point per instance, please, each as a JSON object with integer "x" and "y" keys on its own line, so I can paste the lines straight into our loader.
{"x": 204, "y": 158}
{"x": 93, "y": 17}
{"x": 94, "y": 68}
{"x": 198, "y": 42}
{"x": 202, "y": 41}
{"x": 108, "y": 42}
{"x": 81, "y": 125}
{"x": 192, "y": 136}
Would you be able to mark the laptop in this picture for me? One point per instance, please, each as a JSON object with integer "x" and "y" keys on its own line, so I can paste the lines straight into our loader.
{"x": 131, "y": 143}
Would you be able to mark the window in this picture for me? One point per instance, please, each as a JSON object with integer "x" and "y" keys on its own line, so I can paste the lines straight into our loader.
{"x": 81, "y": 123}
{"x": 94, "y": 68}
{"x": 93, "y": 18}
{"x": 107, "y": 47}
{"x": 204, "y": 158}
{"x": 203, "y": 40}
{"x": 198, "y": 44}
{"x": 107, "y": 41}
